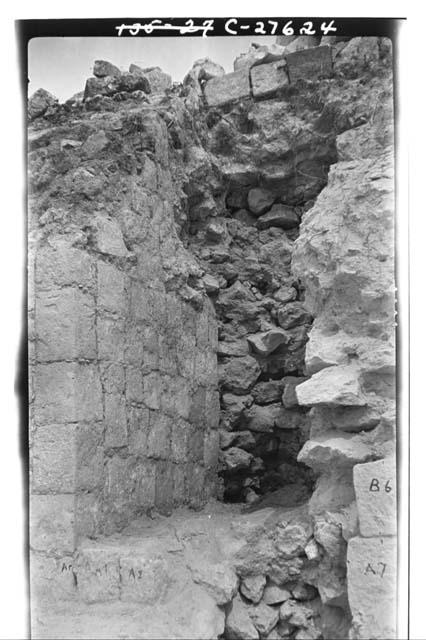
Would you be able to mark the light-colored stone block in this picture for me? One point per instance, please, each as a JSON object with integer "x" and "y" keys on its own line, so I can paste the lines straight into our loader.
{"x": 52, "y": 524}
{"x": 98, "y": 574}
{"x": 228, "y": 88}
{"x": 65, "y": 325}
{"x": 67, "y": 392}
{"x": 372, "y": 570}
{"x": 267, "y": 79}
{"x": 375, "y": 490}
{"x": 112, "y": 289}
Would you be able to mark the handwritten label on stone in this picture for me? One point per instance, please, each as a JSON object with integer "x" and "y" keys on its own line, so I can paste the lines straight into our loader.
{"x": 375, "y": 490}
{"x": 371, "y": 564}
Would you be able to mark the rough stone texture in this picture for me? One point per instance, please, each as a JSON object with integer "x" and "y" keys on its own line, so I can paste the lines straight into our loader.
{"x": 309, "y": 64}
{"x": 259, "y": 55}
{"x": 267, "y": 79}
{"x": 39, "y": 102}
{"x": 227, "y": 88}
{"x": 103, "y": 68}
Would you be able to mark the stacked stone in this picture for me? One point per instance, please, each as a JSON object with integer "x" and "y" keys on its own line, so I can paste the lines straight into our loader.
{"x": 263, "y": 328}
{"x": 124, "y": 409}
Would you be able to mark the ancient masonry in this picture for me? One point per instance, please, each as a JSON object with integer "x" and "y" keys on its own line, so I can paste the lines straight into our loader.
{"x": 211, "y": 349}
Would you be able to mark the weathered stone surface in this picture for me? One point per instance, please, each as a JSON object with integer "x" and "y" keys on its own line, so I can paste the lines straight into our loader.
{"x": 39, "y": 102}
{"x": 275, "y": 594}
{"x": 279, "y": 216}
{"x": 227, "y": 88}
{"x": 203, "y": 70}
{"x": 372, "y": 586}
{"x": 65, "y": 325}
{"x": 334, "y": 386}
{"x": 264, "y": 618}
{"x": 334, "y": 450}
{"x": 235, "y": 459}
{"x": 289, "y": 397}
{"x": 267, "y": 79}
{"x": 309, "y": 64}
{"x": 267, "y": 392}
{"x": 292, "y": 315}
{"x": 109, "y": 238}
{"x": 376, "y": 491}
{"x": 268, "y": 341}
{"x": 103, "y": 68}
{"x": 220, "y": 581}
{"x": 241, "y": 439}
{"x": 252, "y": 588}
{"x": 52, "y": 524}
{"x": 259, "y": 55}
{"x": 358, "y": 56}
{"x": 299, "y": 43}
{"x": 67, "y": 392}
{"x": 157, "y": 79}
{"x": 260, "y": 200}
{"x": 240, "y": 374}
{"x": 95, "y": 143}
{"x": 238, "y": 625}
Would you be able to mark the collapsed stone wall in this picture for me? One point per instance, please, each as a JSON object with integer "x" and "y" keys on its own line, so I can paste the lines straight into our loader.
{"x": 165, "y": 217}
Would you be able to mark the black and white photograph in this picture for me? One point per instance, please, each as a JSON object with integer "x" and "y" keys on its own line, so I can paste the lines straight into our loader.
{"x": 211, "y": 380}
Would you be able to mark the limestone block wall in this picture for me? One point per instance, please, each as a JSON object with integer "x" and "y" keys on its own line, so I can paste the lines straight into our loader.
{"x": 123, "y": 397}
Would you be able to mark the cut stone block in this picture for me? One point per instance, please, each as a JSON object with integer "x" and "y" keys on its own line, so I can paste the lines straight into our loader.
{"x": 267, "y": 79}
{"x": 372, "y": 566}
{"x": 375, "y": 490}
{"x": 228, "y": 88}
{"x": 98, "y": 574}
{"x": 310, "y": 64}
{"x": 67, "y": 392}
{"x": 52, "y": 524}
{"x": 65, "y": 325}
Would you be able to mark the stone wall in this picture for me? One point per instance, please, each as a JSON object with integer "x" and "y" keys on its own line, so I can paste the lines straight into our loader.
{"x": 228, "y": 239}
{"x": 123, "y": 399}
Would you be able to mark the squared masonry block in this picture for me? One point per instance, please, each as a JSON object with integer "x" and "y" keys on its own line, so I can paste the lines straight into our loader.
{"x": 145, "y": 487}
{"x": 179, "y": 484}
{"x": 113, "y": 377}
{"x": 112, "y": 295}
{"x": 371, "y": 575}
{"x": 53, "y": 456}
{"x": 90, "y": 456}
{"x": 267, "y": 79}
{"x": 145, "y": 575}
{"x": 141, "y": 301}
{"x": 134, "y": 349}
{"x": 160, "y": 427}
{"x": 59, "y": 264}
{"x": 310, "y": 64}
{"x": 134, "y": 384}
{"x": 98, "y": 574}
{"x": 151, "y": 349}
{"x": 180, "y": 436}
{"x": 115, "y": 420}
{"x": 87, "y": 515}
{"x": 152, "y": 390}
{"x": 196, "y": 491}
{"x": 164, "y": 486}
{"x": 138, "y": 429}
{"x": 65, "y": 325}
{"x": 375, "y": 490}
{"x": 228, "y": 88}
{"x": 67, "y": 392}
{"x": 52, "y": 523}
{"x": 212, "y": 408}
{"x": 51, "y": 578}
{"x": 197, "y": 410}
{"x": 111, "y": 338}
{"x": 196, "y": 443}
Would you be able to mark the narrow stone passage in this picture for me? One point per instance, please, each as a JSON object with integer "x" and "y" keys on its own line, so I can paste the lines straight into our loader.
{"x": 211, "y": 314}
